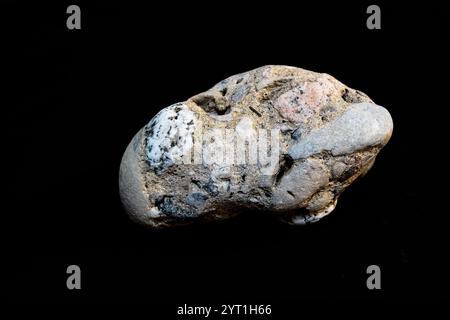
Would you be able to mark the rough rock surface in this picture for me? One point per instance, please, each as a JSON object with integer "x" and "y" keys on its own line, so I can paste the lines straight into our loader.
{"x": 276, "y": 139}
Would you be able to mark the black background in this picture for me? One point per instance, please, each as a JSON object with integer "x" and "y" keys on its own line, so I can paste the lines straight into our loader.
{"x": 80, "y": 96}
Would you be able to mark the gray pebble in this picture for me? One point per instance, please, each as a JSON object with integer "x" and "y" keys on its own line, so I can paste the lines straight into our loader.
{"x": 276, "y": 139}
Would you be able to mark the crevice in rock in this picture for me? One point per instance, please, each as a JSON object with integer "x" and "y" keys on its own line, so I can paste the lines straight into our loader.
{"x": 352, "y": 96}
{"x": 221, "y": 112}
{"x": 206, "y": 102}
{"x": 212, "y": 103}
{"x": 286, "y": 164}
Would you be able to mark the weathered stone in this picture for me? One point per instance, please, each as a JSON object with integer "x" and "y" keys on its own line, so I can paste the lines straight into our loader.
{"x": 276, "y": 139}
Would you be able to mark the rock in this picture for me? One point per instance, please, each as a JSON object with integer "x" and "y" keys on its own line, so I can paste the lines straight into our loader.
{"x": 361, "y": 125}
{"x": 275, "y": 139}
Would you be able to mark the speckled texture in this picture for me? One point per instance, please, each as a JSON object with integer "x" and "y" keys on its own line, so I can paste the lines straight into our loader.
{"x": 317, "y": 134}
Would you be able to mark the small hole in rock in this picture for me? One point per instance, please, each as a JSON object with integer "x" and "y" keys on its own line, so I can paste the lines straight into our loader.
{"x": 225, "y": 111}
{"x": 286, "y": 164}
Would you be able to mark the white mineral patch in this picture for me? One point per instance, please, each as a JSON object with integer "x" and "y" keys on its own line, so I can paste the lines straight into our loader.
{"x": 171, "y": 136}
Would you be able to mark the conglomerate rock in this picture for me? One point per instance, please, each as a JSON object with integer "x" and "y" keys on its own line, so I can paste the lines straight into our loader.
{"x": 275, "y": 139}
